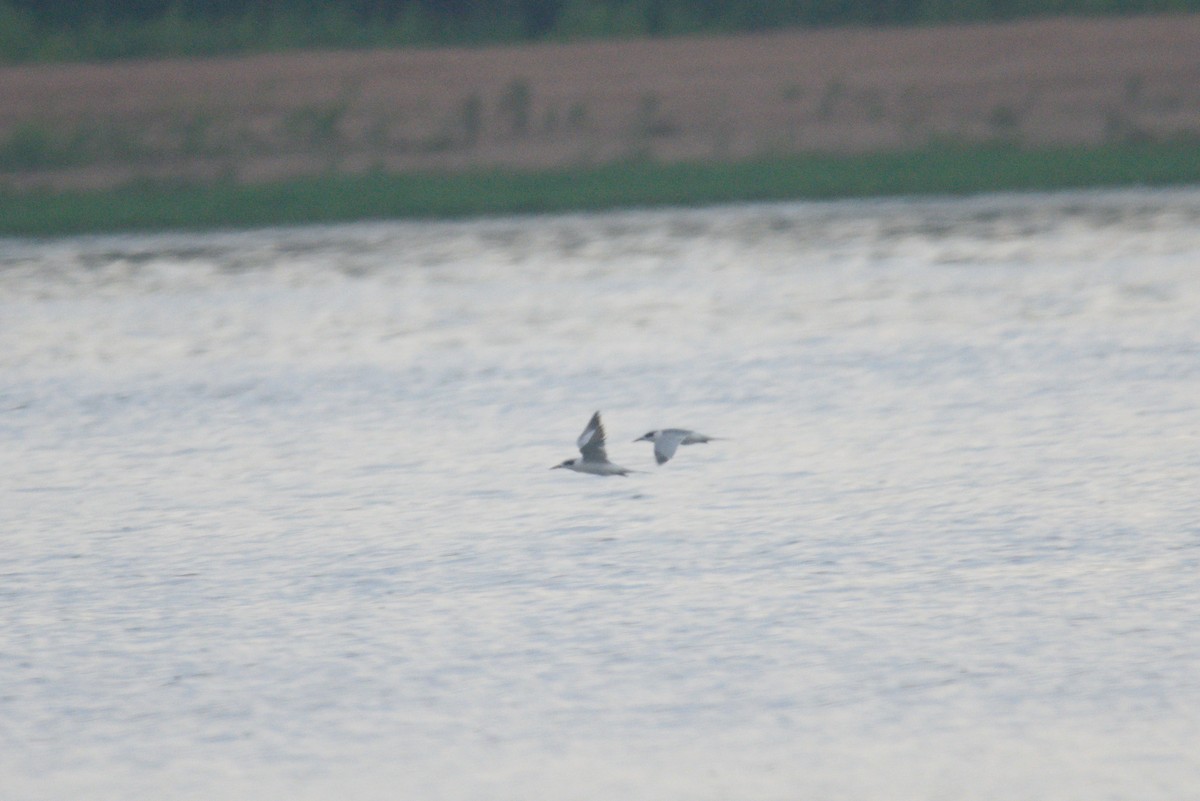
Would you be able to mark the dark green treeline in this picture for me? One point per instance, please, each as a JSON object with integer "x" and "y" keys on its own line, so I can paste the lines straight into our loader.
{"x": 72, "y": 30}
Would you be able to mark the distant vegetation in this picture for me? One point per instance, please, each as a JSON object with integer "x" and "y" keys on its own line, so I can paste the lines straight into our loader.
{"x": 333, "y": 197}
{"x": 75, "y": 30}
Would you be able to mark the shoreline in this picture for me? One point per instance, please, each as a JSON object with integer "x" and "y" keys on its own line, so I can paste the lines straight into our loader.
{"x": 270, "y": 119}
{"x": 332, "y": 198}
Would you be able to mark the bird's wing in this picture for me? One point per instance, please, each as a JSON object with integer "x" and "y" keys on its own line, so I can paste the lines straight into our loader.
{"x": 591, "y": 441}
{"x": 666, "y": 445}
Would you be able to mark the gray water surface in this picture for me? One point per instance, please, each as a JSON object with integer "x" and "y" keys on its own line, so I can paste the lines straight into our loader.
{"x": 277, "y": 520}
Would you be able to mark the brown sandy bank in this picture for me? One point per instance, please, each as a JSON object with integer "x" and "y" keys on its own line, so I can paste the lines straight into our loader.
{"x": 1045, "y": 82}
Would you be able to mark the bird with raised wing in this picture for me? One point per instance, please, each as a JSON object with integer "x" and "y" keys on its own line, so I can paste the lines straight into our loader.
{"x": 594, "y": 459}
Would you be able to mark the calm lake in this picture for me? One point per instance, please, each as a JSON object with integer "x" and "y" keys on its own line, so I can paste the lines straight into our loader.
{"x": 277, "y": 520}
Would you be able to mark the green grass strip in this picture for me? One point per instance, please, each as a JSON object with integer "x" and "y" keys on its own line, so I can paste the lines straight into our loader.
{"x": 334, "y": 197}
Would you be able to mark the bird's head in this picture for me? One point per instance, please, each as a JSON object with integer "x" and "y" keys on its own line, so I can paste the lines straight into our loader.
{"x": 568, "y": 463}
{"x": 649, "y": 436}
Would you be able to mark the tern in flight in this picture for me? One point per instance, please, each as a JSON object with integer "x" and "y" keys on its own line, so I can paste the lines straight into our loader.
{"x": 594, "y": 459}
{"x": 667, "y": 440}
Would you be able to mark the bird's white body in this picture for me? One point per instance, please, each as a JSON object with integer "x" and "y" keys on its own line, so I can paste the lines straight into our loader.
{"x": 595, "y": 468}
{"x": 667, "y": 441}
{"x": 595, "y": 458}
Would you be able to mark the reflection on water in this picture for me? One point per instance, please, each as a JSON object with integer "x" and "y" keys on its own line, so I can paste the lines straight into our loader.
{"x": 278, "y": 519}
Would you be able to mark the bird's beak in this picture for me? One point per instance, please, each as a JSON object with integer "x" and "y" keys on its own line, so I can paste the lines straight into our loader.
{"x": 556, "y": 467}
